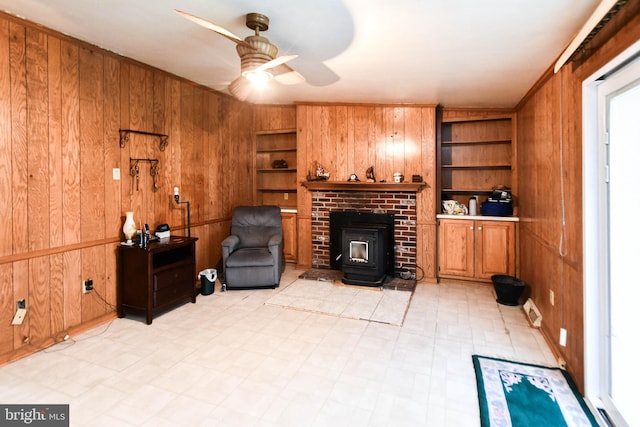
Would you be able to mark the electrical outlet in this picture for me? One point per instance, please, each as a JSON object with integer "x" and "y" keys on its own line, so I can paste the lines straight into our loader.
{"x": 87, "y": 286}
{"x": 21, "y": 312}
{"x": 552, "y": 297}
{"x": 563, "y": 337}
{"x": 286, "y": 196}
{"x": 562, "y": 364}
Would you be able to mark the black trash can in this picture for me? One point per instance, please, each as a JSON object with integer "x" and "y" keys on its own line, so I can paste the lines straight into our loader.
{"x": 508, "y": 289}
{"x": 208, "y": 281}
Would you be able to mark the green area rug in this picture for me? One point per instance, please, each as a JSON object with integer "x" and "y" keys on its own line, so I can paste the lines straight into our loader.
{"x": 520, "y": 394}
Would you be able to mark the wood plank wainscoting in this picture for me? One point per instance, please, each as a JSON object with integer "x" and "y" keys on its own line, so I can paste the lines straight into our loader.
{"x": 61, "y": 211}
{"x": 550, "y": 113}
{"x": 62, "y": 102}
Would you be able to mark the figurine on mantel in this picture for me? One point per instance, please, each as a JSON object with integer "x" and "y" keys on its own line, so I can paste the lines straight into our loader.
{"x": 370, "y": 176}
{"x": 320, "y": 174}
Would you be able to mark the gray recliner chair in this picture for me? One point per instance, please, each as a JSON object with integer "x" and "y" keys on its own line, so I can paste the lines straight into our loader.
{"x": 252, "y": 255}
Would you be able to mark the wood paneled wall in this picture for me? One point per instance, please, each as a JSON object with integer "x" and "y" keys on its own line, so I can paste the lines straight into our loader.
{"x": 550, "y": 117}
{"x": 62, "y": 103}
{"x": 274, "y": 117}
{"x": 347, "y": 139}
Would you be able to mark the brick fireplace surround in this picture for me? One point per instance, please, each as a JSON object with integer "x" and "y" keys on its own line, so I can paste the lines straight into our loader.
{"x": 400, "y": 204}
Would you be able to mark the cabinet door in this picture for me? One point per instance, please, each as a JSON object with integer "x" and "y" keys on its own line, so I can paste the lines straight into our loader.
{"x": 173, "y": 285}
{"x": 289, "y": 236}
{"x": 455, "y": 247}
{"x": 495, "y": 248}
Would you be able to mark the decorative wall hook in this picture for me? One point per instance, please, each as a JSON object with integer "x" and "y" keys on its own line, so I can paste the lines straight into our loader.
{"x": 154, "y": 170}
{"x": 124, "y": 137}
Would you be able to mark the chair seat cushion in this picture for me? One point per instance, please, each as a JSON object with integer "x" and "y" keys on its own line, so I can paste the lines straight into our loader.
{"x": 250, "y": 257}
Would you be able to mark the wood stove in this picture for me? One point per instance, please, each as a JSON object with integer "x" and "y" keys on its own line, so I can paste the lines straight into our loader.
{"x": 362, "y": 246}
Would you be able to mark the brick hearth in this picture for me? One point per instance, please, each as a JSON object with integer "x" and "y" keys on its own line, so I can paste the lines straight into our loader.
{"x": 400, "y": 204}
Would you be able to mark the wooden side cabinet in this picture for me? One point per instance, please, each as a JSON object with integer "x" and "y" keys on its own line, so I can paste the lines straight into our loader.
{"x": 290, "y": 236}
{"x": 476, "y": 249}
{"x": 156, "y": 278}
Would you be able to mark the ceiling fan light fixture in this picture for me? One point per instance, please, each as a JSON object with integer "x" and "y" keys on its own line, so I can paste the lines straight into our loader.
{"x": 258, "y": 78}
{"x": 259, "y": 60}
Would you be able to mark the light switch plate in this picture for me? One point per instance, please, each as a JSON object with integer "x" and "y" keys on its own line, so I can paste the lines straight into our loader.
{"x": 116, "y": 174}
{"x": 19, "y": 317}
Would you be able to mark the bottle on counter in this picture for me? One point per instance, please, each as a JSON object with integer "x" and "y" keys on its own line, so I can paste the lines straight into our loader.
{"x": 473, "y": 205}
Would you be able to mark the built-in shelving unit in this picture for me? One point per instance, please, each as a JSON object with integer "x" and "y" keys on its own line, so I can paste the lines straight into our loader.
{"x": 476, "y": 154}
{"x": 276, "y": 185}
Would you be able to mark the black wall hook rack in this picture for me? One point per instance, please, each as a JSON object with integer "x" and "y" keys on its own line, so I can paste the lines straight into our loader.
{"x": 154, "y": 170}
{"x": 124, "y": 137}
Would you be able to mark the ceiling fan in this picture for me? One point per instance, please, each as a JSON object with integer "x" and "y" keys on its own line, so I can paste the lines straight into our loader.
{"x": 259, "y": 62}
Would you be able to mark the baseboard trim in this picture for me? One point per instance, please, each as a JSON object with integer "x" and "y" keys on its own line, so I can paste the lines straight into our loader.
{"x": 34, "y": 347}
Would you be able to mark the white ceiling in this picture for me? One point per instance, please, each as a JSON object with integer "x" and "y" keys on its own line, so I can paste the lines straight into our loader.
{"x": 481, "y": 53}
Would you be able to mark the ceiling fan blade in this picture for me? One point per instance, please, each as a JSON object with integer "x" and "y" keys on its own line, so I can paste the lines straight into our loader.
{"x": 287, "y": 75}
{"x": 275, "y": 62}
{"x": 240, "y": 88}
{"x": 215, "y": 28}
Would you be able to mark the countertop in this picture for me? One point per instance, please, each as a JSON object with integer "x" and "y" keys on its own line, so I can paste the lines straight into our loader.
{"x": 480, "y": 217}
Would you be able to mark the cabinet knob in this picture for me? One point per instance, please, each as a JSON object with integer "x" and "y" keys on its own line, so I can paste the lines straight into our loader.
{"x": 471, "y": 227}
{"x": 479, "y": 228}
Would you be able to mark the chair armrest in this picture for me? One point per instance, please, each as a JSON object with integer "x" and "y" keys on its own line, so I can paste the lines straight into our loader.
{"x": 275, "y": 240}
{"x": 229, "y": 244}
{"x": 275, "y": 248}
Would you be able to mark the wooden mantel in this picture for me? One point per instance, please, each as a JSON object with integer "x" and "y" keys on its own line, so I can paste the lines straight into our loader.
{"x": 364, "y": 186}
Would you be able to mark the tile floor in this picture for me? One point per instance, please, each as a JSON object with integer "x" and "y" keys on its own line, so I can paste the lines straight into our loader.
{"x": 353, "y": 302}
{"x": 231, "y": 360}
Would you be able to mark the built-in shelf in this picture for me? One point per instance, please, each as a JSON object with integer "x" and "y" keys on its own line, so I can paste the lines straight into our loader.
{"x": 276, "y": 186}
{"x": 476, "y": 167}
{"x": 364, "y": 186}
{"x": 476, "y": 153}
{"x": 276, "y": 150}
{"x": 466, "y": 191}
{"x": 477, "y": 142}
{"x": 267, "y": 170}
{"x": 275, "y": 131}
